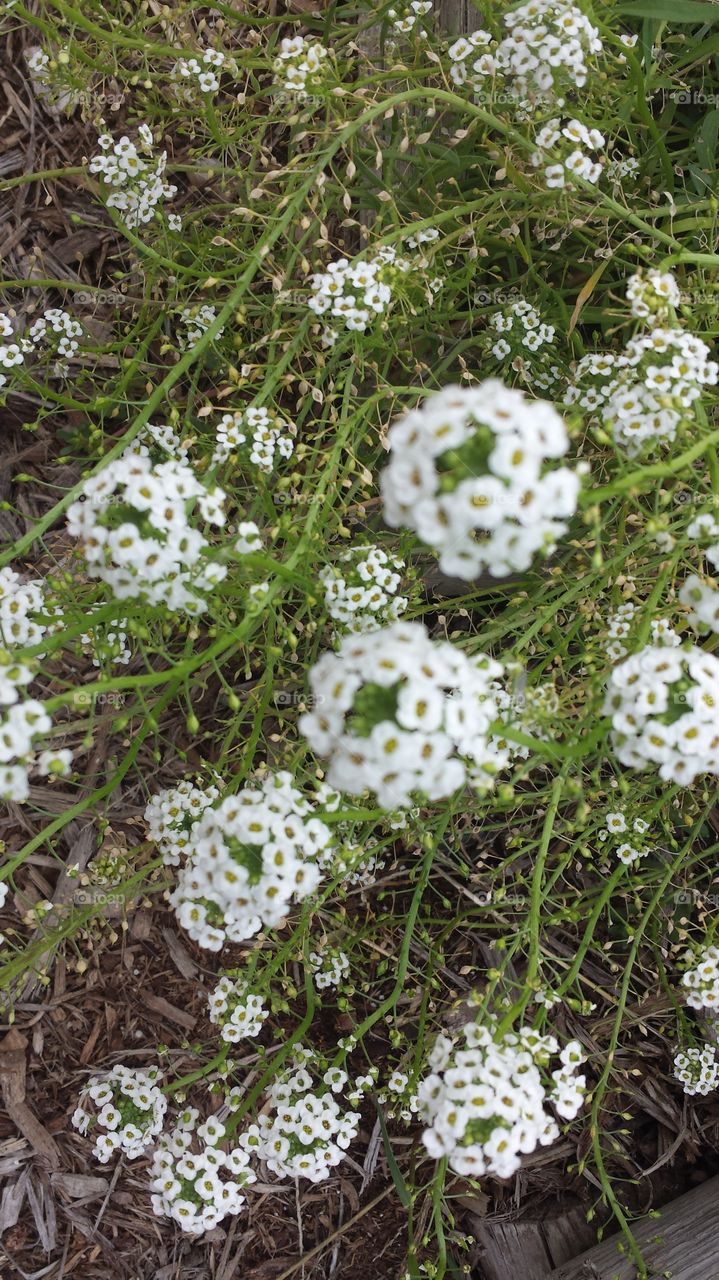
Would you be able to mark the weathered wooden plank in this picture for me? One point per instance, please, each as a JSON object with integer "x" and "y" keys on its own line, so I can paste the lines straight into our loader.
{"x": 529, "y": 1247}
{"x": 682, "y": 1242}
{"x": 459, "y": 16}
{"x": 512, "y": 1249}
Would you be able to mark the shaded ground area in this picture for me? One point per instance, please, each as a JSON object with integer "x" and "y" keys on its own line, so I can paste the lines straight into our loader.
{"x": 133, "y": 990}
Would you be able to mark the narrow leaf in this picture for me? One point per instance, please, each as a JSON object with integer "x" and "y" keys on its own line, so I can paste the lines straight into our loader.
{"x": 676, "y": 11}
{"x": 400, "y": 1185}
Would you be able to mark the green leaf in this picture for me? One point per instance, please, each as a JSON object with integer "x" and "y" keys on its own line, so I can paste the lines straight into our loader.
{"x": 706, "y": 140}
{"x": 399, "y": 1183}
{"x": 673, "y": 11}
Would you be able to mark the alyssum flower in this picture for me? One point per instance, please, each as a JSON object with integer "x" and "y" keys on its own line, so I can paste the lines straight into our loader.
{"x": 123, "y": 1110}
{"x": 236, "y": 1009}
{"x": 697, "y": 1070}
{"x": 135, "y": 176}
{"x": 567, "y": 149}
{"x": 203, "y": 71}
{"x": 22, "y": 605}
{"x": 303, "y": 1131}
{"x": 54, "y": 336}
{"x": 139, "y": 529}
{"x": 250, "y": 857}
{"x": 194, "y": 1178}
{"x": 262, "y": 433}
{"x": 703, "y": 601}
{"x": 701, "y": 977}
{"x": 170, "y": 816}
{"x": 195, "y": 321}
{"x": 645, "y": 395}
{"x": 402, "y": 715}
{"x": 705, "y": 528}
{"x": 663, "y": 705}
{"x": 544, "y": 53}
{"x": 405, "y": 18}
{"x": 469, "y": 473}
{"x": 330, "y": 967}
{"x": 361, "y": 588}
{"x": 353, "y": 294}
{"x": 491, "y": 1100}
{"x": 302, "y": 67}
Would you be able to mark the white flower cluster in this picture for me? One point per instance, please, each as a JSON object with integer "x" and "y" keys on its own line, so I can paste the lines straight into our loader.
{"x": 171, "y": 815}
{"x": 22, "y": 720}
{"x": 135, "y": 173}
{"x": 468, "y": 473}
{"x": 59, "y": 333}
{"x": 302, "y": 1131}
{"x": 356, "y": 293}
{"x": 517, "y": 335}
{"x": 701, "y": 979}
{"x": 54, "y": 334}
{"x": 237, "y": 1010}
{"x": 357, "y": 865}
{"x": 195, "y": 321}
{"x": 524, "y": 325}
{"x": 405, "y": 19}
{"x": 250, "y": 857}
{"x": 330, "y": 966}
{"x": 703, "y": 601}
{"x": 544, "y": 53}
{"x": 626, "y": 167}
{"x": 619, "y": 628}
{"x": 194, "y": 1181}
{"x": 616, "y": 824}
{"x": 529, "y": 709}
{"x": 547, "y": 47}
{"x": 400, "y": 714}
{"x": 203, "y": 72}
{"x": 697, "y": 1070}
{"x": 663, "y": 633}
{"x": 10, "y": 353}
{"x": 663, "y": 706}
{"x": 645, "y": 395}
{"x": 138, "y": 525}
{"x": 652, "y": 295}
{"x": 399, "y": 1098}
{"x": 55, "y": 327}
{"x": 49, "y": 83}
{"x": 264, "y": 433}
{"x": 107, "y": 646}
{"x": 157, "y": 442}
{"x": 473, "y": 60}
{"x": 705, "y": 528}
{"x": 127, "y": 1107}
{"x": 488, "y": 1103}
{"x": 561, "y": 143}
{"x": 302, "y": 67}
{"x": 361, "y": 588}
{"x": 20, "y": 603}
